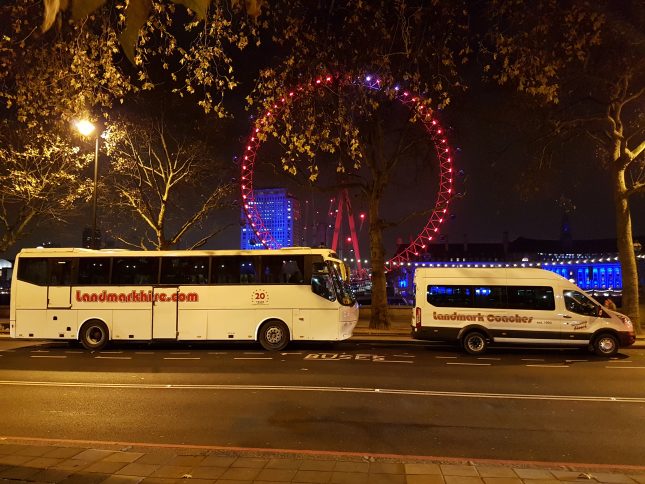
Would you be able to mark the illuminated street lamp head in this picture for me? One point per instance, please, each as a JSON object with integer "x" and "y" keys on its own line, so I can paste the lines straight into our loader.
{"x": 84, "y": 127}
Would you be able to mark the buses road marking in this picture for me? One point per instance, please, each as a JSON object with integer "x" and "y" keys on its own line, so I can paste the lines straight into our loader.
{"x": 379, "y": 391}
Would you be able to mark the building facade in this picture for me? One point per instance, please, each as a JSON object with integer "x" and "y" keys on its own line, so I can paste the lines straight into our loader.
{"x": 280, "y": 213}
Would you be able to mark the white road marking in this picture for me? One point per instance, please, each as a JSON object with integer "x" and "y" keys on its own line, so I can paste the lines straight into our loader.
{"x": 181, "y": 358}
{"x": 469, "y": 364}
{"x": 620, "y": 361}
{"x": 548, "y": 366}
{"x": 257, "y": 358}
{"x": 39, "y": 351}
{"x": 494, "y": 359}
{"x": 290, "y": 353}
{"x": 144, "y": 352}
{"x": 380, "y": 391}
{"x": 404, "y": 356}
{"x": 217, "y": 352}
{"x": 626, "y": 367}
{"x": 253, "y": 353}
{"x": 75, "y": 352}
{"x": 446, "y": 357}
{"x": 47, "y": 356}
{"x": 180, "y": 352}
{"x": 532, "y": 359}
{"x": 111, "y": 352}
{"x": 113, "y": 357}
{"x": 572, "y": 361}
{"x": 393, "y": 361}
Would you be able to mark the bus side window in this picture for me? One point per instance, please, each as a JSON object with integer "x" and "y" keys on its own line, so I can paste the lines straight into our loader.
{"x": 93, "y": 271}
{"x": 291, "y": 271}
{"x": 32, "y": 270}
{"x": 60, "y": 272}
{"x": 135, "y": 270}
{"x": 184, "y": 270}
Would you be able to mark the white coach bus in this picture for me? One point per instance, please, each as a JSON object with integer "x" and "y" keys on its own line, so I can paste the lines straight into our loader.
{"x": 97, "y": 296}
{"x": 476, "y": 307}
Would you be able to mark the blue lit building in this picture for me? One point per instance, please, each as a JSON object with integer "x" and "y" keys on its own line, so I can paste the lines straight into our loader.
{"x": 280, "y": 213}
{"x": 591, "y": 264}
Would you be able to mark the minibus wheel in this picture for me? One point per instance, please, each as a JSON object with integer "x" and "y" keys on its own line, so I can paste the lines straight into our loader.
{"x": 274, "y": 335}
{"x": 605, "y": 344}
{"x": 474, "y": 343}
{"x": 94, "y": 335}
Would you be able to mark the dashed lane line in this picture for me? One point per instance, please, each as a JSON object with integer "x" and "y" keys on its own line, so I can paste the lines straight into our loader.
{"x": 47, "y": 356}
{"x": 181, "y": 358}
{"x": 113, "y": 357}
{"x": 469, "y": 364}
{"x": 626, "y": 367}
{"x": 546, "y": 365}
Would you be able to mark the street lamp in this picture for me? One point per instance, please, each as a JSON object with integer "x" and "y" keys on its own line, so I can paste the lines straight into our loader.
{"x": 86, "y": 128}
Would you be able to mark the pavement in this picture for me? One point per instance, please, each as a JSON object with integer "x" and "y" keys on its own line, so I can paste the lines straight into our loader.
{"x": 78, "y": 462}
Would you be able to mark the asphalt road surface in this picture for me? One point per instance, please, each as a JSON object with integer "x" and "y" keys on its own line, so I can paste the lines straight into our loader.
{"x": 404, "y": 399}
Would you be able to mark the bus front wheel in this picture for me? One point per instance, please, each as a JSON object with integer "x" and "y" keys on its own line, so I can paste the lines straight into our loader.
{"x": 94, "y": 335}
{"x": 274, "y": 335}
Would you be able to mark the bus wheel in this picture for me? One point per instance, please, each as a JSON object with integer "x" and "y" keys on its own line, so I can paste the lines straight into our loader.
{"x": 605, "y": 344}
{"x": 94, "y": 335}
{"x": 474, "y": 343}
{"x": 274, "y": 335}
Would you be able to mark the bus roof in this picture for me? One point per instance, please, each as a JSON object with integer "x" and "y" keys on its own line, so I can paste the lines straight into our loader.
{"x": 81, "y": 252}
{"x": 488, "y": 273}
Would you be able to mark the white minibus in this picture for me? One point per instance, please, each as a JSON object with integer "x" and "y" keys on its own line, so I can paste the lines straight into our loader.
{"x": 97, "y": 296}
{"x": 476, "y": 307}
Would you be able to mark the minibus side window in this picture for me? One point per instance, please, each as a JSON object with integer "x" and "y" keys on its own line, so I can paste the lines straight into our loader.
{"x": 490, "y": 296}
{"x": 578, "y": 303}
{"x": 450, "y": 296}
{"x": 531, "y": 297}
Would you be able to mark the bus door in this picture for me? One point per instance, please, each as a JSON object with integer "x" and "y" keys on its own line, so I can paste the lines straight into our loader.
{"x": 59, "y": 289}
{"x": 164, "y": 312}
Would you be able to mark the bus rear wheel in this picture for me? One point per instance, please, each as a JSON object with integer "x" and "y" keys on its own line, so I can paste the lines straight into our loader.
{"x": 274, "y": 335}
{"x": 475, "y": 343}
{"x": 94, "y": 335}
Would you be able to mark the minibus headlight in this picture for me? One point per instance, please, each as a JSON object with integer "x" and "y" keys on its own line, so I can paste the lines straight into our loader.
{"x": 626, "y": 321}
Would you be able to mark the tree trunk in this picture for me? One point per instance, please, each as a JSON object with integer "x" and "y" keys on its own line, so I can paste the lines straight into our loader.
{"x": 378, "y": 319}
{"x": 626, "y": 253}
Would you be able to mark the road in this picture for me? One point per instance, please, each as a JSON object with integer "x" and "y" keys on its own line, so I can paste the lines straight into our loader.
{"x": 386, "y": 398}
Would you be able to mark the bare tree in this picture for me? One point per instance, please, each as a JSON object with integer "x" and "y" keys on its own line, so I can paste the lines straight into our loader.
{"x": 170, "y": 187}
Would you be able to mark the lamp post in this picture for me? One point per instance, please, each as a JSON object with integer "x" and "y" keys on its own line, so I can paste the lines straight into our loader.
{"x": 86, "y": 128}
